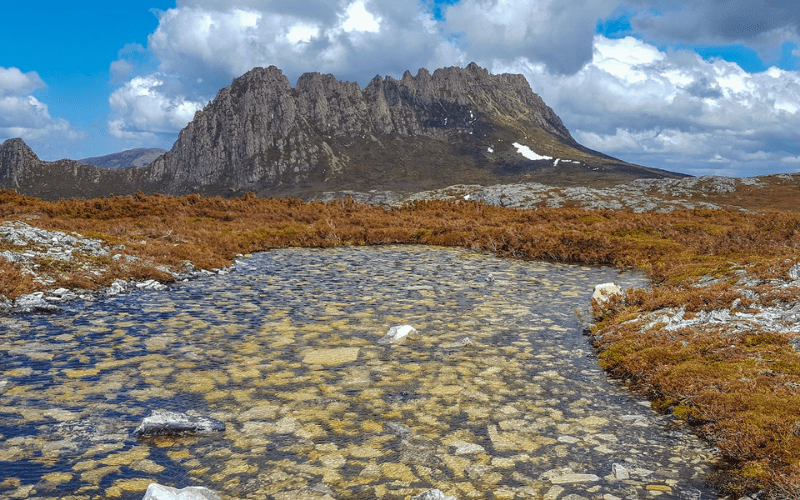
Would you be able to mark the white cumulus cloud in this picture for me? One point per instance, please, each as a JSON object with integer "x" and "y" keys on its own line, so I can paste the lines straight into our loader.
{"x": 143, "y": 108}
{"x": 357, "y": 18}
{"x": 15, "y": 82}
{"x": 673, "y": 109}
{"x": 23, "y": 115}
{"x": 555, "y": 32}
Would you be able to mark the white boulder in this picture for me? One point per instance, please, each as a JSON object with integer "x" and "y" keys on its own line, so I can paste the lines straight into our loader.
{"x": 399, "y": 333}
{"x": 434, "y": 494}
{"x": 162, "y": 423}
{"x": 159, "y": 492}
{"x": 605, "y": 291}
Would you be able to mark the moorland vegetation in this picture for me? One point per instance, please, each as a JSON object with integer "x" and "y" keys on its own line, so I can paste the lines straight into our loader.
{"x": 740, "y": 390}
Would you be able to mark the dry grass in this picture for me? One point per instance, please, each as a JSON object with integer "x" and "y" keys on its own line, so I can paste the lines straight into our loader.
{"x": 739, "y": 389}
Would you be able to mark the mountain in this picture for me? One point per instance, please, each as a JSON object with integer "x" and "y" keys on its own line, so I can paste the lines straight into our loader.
{"x": 457, "y": 125}
{"x": 22, "y": 170}
{"x": 139, "y": 157}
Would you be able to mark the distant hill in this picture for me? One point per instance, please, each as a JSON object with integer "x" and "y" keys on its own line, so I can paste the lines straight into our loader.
{"x": 139, "y": 157}
{"x": 455, "y": 126}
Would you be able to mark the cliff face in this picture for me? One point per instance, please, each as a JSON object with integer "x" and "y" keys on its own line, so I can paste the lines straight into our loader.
{"x": 260, "y": 133}
{"x": 457, "y": 125}
{"x": 16, "y": 160}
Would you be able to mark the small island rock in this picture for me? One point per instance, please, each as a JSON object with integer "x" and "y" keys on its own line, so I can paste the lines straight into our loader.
{"x": 161, "y": 423}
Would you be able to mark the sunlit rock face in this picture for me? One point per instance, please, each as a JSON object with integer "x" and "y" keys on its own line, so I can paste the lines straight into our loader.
{"x": 260, "y": 132}
{"x": 285, "y": 352}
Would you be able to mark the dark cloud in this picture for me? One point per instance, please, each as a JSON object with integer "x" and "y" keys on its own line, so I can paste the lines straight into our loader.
{"x": 717, "y": 21}
{"x": 704, "y": 89}
{"x": 558, "y": 33}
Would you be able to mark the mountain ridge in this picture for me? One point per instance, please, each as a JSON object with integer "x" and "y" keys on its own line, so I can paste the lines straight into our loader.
{"x": 137, "y": 157}
{"x": 260, "y": 134}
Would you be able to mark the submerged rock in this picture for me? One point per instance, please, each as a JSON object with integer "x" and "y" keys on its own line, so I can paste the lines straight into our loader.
{"x": 566, "y": 475}
{"x": 335, "y": 356}
{"x": 158, "y": 492}
{"x": 398, "y": 429}
{"x": 161, "y": 423}
{"x": 464, "y": 448}
{"x": 311, "y": 493}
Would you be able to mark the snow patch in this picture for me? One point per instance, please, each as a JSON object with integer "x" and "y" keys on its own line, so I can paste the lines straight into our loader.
{"x": 528, "y": 152}
{"x": 557, "y": 160}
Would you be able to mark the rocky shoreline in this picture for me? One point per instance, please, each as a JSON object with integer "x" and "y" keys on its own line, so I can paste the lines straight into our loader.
{"x": 758, "y": 309}
{"x": 36, "y": 244}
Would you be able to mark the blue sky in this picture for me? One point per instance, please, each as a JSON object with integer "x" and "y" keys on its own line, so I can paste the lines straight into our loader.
{"x": 707, "y": 87}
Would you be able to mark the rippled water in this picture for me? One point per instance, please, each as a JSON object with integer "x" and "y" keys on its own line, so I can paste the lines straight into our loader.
{"x": 284, "y": 351}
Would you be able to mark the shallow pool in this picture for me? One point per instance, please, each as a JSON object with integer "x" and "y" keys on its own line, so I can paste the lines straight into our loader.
{"x": 500, "y": 397}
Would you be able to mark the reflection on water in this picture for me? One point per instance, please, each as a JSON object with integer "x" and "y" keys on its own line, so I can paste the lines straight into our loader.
{"x": 285, "y": 352}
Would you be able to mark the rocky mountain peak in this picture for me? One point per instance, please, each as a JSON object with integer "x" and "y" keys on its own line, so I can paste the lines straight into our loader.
{"x": 261, "y": 133}
{"x": 16, "y": 158}
{"x": 16, "y": 150}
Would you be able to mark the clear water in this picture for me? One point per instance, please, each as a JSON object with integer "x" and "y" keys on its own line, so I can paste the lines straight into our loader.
{"x": 284, "y": 350}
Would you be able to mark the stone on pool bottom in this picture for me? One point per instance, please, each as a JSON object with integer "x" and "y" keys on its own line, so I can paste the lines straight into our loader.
{"x": 337, "y": 356}
{"x": 285, "y": 352}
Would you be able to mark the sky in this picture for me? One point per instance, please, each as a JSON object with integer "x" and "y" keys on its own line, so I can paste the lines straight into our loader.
{"x": 708, "y": 87}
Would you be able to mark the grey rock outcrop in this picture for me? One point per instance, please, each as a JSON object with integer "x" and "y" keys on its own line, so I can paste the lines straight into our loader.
{"x": 794, "y": 272}
{"x": 23, "y": 171}
{"x": 34, "y": 302}
{"x": 16, "y": 158}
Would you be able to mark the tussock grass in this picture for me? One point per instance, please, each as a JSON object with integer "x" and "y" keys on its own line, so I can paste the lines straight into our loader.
{"x": 738, "y": 388}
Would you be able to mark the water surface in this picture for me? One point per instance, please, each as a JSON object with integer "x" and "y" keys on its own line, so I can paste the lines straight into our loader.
{"x": 284, "y": 350}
